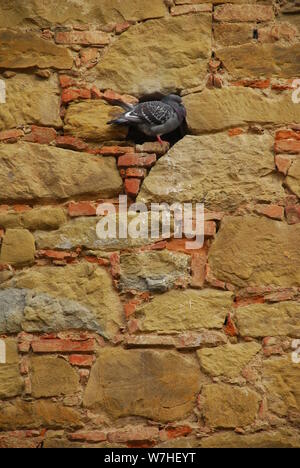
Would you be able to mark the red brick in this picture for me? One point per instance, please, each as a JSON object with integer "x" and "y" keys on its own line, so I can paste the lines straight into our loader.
{"x": 179, "y": 431}
{"x": 134, "y": 160}
{"x": 160, "y": 245}
{"x": 287, "y": 146}
{"x": 21, "y": 208}
{"x": 132, "y": 186}
{"x": 271, "y": 211}
{"x": 130, "y": 307}
{"x": 115, "y": 150}
{"x": 88, "y": 55}
{"x": 280, "y": 87}
{"x": 287, "y": 135}
{"x": 260, "y": 84}
{"x": 293, "y": 214}
{"x": 283, "y": 163}
{"x": 115, "y": 264}
{"x": 235, "y": 131}
{"x": 96, "y": 93}
{"x": 4, "y": 208}
{"x": 84, "y": 208}
{"x": 111, "y": 95}
{"x": 62, "y": 346}
{"x": 136, "y": 433}
{"x": 66, "y": 81}
{"x": 70, "y": 142}
{"x": 56, "y": 254}
{"x": 81, "y": 360}
{"x": 198, "y": 268}
{"x": 99, "y": 261}
{"x": 92, "y": 436}
{"x": 185, "y": 9}
{"x": 137, "y": 172}
{"x": 230, "y": 328}
{"x": 42, "y": 135}
{"x": 83, "y": 37}
{"x": 121, "y": 27}
{"x": 240, "y": 13}
{"x": 71, "y": 94}
{"x": 11, "y": 134}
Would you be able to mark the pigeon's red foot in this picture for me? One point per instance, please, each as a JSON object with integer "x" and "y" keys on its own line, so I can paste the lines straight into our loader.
{"x": 160, "y": 140}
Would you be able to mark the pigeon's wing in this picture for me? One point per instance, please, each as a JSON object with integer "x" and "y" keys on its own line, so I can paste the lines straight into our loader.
{"x": 152, "y": 113}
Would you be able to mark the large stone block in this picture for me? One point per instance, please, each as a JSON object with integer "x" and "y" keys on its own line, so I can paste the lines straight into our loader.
{"x": 29, "y": 100}
{"x": 156, "y": 385}
{"x": 227, "y": 406}
{"x": 190, "y": 309}
{"x": 26, "y": 50}
{"x": 89, "y": 120}
{"x": 260, "y": 320}
{"x": 49, "y": 173}
{"x": 52, "y": 376}
{"x": 25, "y": 309}
{"x": 228, "y": 360}
{"x": 281, "y": 379}
{"x": 278, "y": 438}
{"x": 261, "y": 60}
{"x": 220, "y": 171}
{"x": 216, "y": 109}
{"x": 87, "y": 285}
{"x": 126, "y": 68}
{"x": 251, "y": 251}
{"x": 11, "y": 383}
{"x": 293, "y": 178}
{"x": 33, "y": 12}
{"x": 18, "y": 247}
{"x": 154, "y": 271}
{"x": 41, "y": 413}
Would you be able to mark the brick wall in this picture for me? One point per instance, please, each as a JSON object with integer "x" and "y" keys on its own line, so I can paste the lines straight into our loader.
{"x": 142, "y": 344}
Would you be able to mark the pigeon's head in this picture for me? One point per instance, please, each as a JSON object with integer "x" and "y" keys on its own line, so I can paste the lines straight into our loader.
{"x": 176, "y": 102}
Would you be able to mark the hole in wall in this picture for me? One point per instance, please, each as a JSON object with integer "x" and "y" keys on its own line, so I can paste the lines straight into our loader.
{"x": 139, "y": 138}
{"x": 255, "y": 34}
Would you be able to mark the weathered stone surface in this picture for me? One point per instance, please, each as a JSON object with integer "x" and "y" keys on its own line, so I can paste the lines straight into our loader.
{"x": 293, "y": 178}
{"x": 51, "y": 376}
{"x": 49, "y": 172}
{"x": 37, "y": 218}
{"x": 223, "y": 171}
{"x": 278, "y": 319}
{"x": 30, "y": 100}
{"x": 234, "y": 13}
{"x": 28, "y": 12}
{"x": 88, "y": 285}
{"x": 25, "y": 50}
{"x": 186, "y": 310}
{"x": 123, "y": 67}
{"x": 227, "y": 34}
{"x": 216, "y": 109}
{"x": 253, "y": 60}
{"x": 281, "y": 438}
{"x": 22, "y": 414}
{"x": 227, "y": 406}
{"x": 11, "y": 383}
{"x": 24, "y": 309}
{"x": 82, "y": 232}
{"x": 155, "y": 385}
{"x": 154, "y": 271}
{"x": 228, "y": 360}
{"x": 18, "y": 247}
{"x": 252, "y": 251}
{"x": 89, "y": 119}
{"x": 281, "y": 379}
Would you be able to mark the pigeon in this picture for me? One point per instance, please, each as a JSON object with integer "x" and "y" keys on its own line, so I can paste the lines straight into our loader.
{"x": 153, "y": 118}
